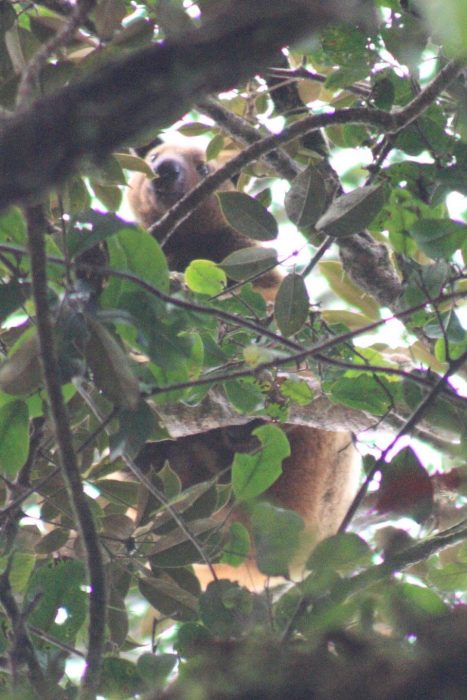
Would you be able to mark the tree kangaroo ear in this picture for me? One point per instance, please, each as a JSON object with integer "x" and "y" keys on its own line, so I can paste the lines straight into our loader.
{"x": 142, "y": 150}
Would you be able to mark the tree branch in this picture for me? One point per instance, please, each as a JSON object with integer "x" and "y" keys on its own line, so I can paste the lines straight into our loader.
{"x": 63, "y": 37}
{"x": 150, "y": 88}
{"x": 411, "y": 422}
{"x": 22, "y": 649}
{"x": 61, "y": 426}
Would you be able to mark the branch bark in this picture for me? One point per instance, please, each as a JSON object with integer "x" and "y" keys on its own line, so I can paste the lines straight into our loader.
{"x": 68, "y": 462}
{"x": 150, "y": 88}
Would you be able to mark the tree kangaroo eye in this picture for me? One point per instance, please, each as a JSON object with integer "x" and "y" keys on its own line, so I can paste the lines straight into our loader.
{"x": 203, "y": 169}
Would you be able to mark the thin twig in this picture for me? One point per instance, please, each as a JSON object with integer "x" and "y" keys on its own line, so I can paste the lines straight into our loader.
{"x": 397, "y": 562}
{"x": 408, "y": 426}
{"x": 158, "y": 495}
{"x": 22, "y": 649}
{"x": 63, "y": 37}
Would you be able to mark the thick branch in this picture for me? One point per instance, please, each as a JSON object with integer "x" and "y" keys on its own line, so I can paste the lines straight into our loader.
{"x": 242, "y": 131}
{"x": 216, "y": 412}
{"x": 149, "y": 89}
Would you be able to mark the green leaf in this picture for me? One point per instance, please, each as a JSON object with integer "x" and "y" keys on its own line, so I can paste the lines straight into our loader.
{"x": 383, "y": 93}
{"x": 168, "y": 598}
{"x": 13, "y": 226}
{"x": 143, "y": 257}
{"x": 190, "y": 637}
{"x": 122, "y": 493}
{"x": 214, "y": 147}
{"x": 131, "y": 162}
{"x": 109, "y": 172}
{"x": 91, "y": 227}
{"x": 14, "y": 437}
{"x": 248, "y": 216}
{"x": 353, "y": 212}
{"x": 75, "y": 195}
{"x": 305, "y": 201}
{"x": 248, "y": 262}
{"x": 120, "y": 679}
{"x": 253, "y": 474}
{"x": 419, "y": 600}
{"x": 238, "y": 545}
{"x": 245, "y": 395}
{"x": 406, "y": 39}
{"x": 276, "y": 536}
{"x": 21, "y": 569}
{"x": 440, "y": 413}
{"x": 52, "y": 541}
{"x": 449, "y": 19}
{"x": 154, "y": 668}
{"x": 365, "y": 394}
{"x": 292, "y": 305}
{"x": 342, "y": 553}
{"x": 55, "y": 586}
{"x": 135, "y": 427}
{"x": 439, "y": 238}
{"x": 298, "y": 390}
{"x": 110, "y": 196}
{"x": 217, "y": 612}
{"x": 175, "y": 553}
{"x": 12, "y": 295}
{"x": 452, "y": 577}
{"x": 205, "y": 277}
{"x": 451, "y": 328}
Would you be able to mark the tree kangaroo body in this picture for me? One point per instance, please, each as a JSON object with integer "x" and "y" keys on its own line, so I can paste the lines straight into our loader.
{"x": 320, "y": 476}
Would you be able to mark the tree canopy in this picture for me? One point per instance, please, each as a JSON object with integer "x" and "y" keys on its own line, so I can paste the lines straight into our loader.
{"x": 343, "y": 126}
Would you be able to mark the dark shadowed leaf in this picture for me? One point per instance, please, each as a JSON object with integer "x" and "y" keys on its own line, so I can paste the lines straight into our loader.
{"x": 12, "y": 295}
{"x": 91, "y": 227}
{"x": 306, "y": 199}
{"x": 352, "y": 212}
{"x": 135, "y": 427}
{"x": 55, "y": 586}
{"x": 292, "y": 304}
{"x": 14, "y": 437}
{"x": 439, "y": 238}
{"x": 406, "y": 488}
{"x": 342, "y": 553}
{"x": 248, "y": 262}
{"x": 120, "y": 679}
{"x": 52, "y": 541}
{"x": 248, "y": 216}
{"x": 225, "y": 608}
{"x": 276, "y": 534}
{"x": 155, "y": 668}
{"x": 169, "y": 598}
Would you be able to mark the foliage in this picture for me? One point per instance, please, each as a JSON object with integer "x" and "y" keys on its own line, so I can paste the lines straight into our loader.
{"x": 141, "y": 355}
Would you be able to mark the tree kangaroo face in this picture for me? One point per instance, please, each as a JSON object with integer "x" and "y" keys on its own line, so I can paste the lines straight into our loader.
{"x": 176, "y": 171}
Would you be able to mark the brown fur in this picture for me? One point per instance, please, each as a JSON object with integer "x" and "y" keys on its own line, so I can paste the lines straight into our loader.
{"x": 319, "y": 478}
